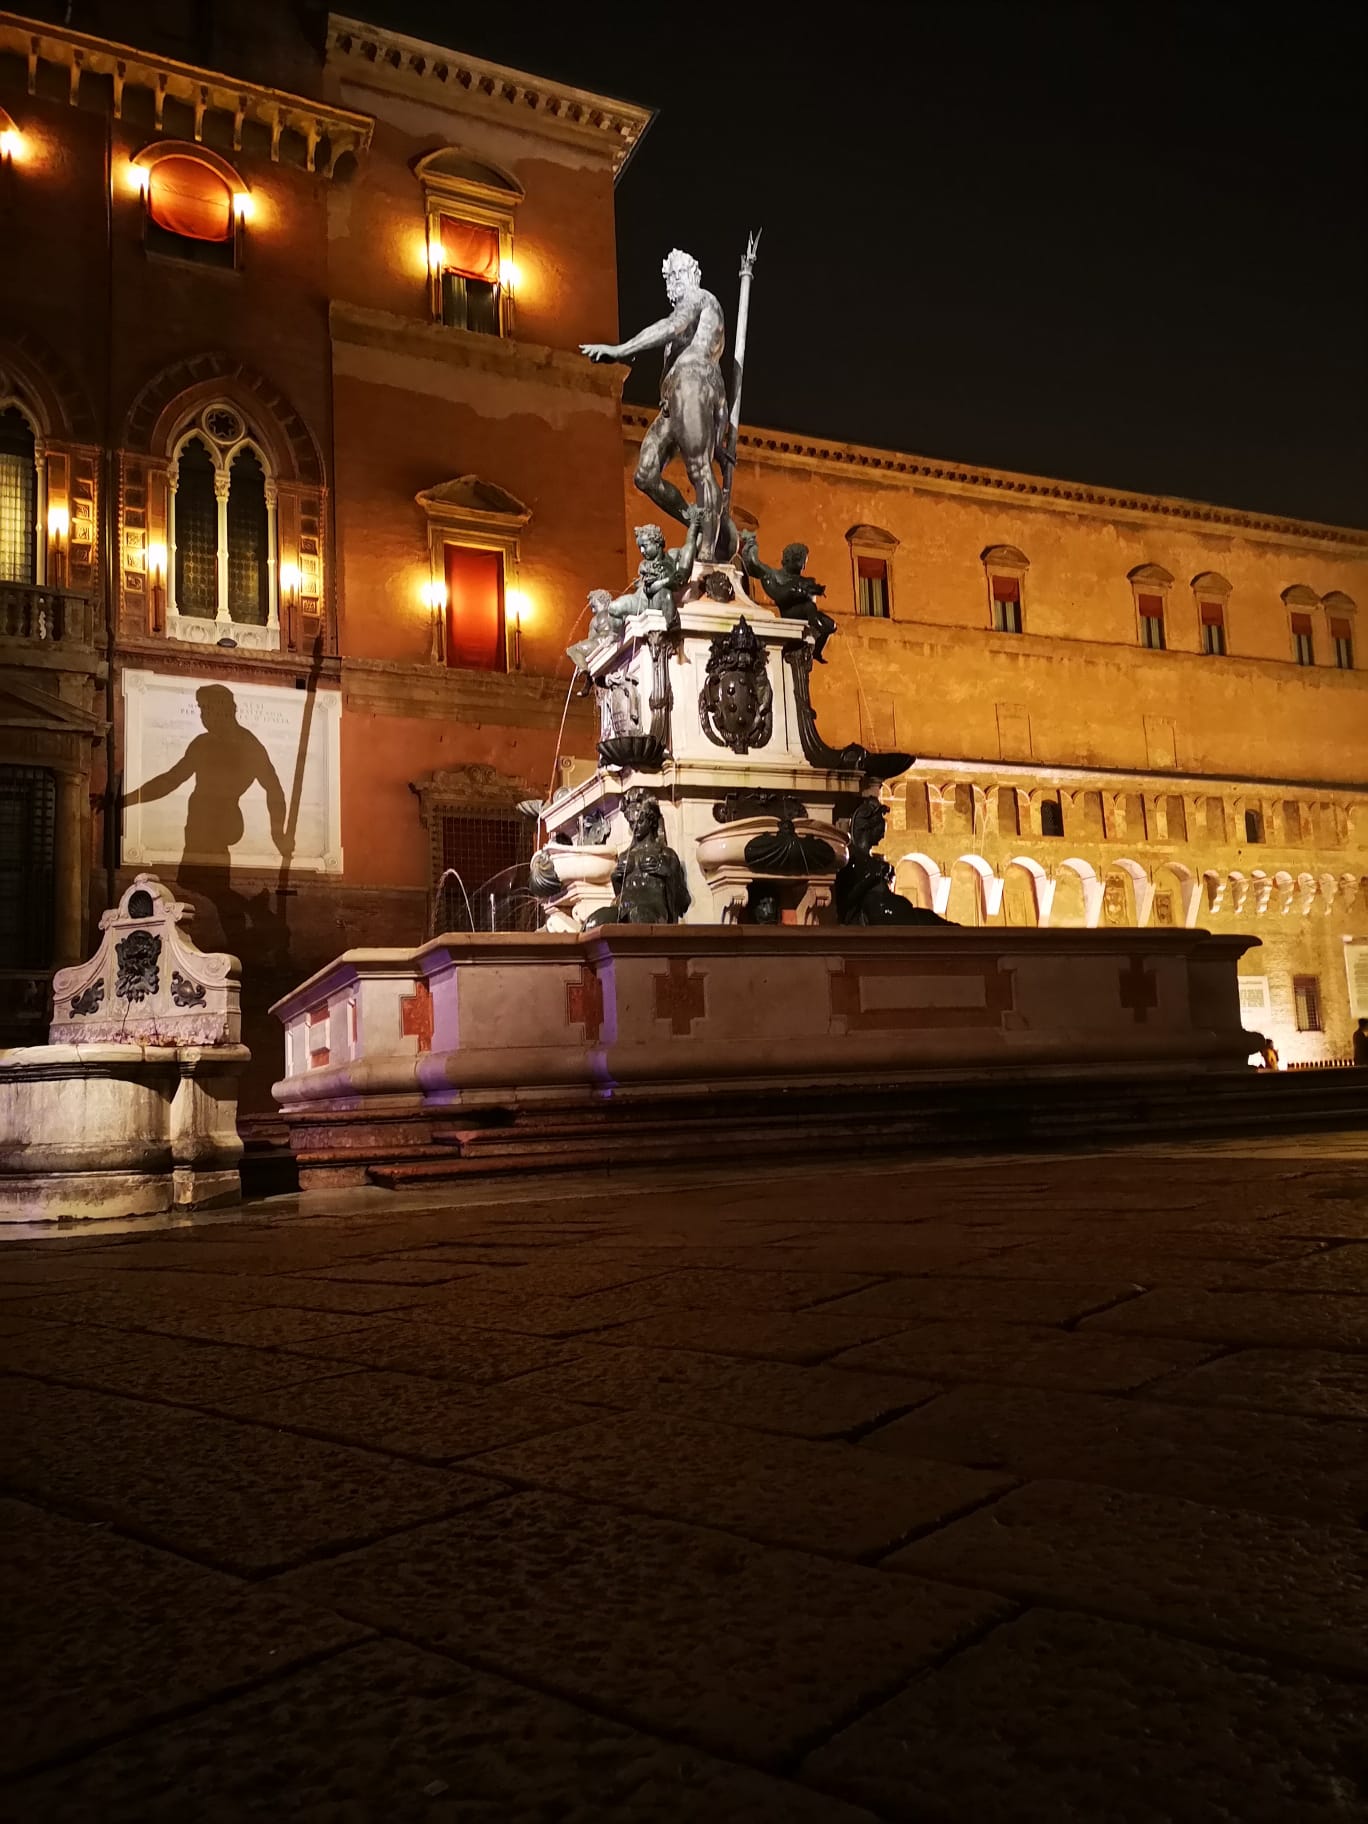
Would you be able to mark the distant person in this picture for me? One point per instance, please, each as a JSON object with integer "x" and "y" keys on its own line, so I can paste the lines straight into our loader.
{"x": 1269, "y": 1055}
{"x": 1361, "y": 1044}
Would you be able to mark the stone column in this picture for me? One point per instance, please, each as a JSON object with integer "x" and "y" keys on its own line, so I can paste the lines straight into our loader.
{"x": 68, "y": 935}
{"x": 222, "y": 483}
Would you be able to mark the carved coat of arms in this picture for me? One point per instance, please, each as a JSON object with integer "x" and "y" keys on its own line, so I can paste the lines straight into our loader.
{"x": 736, "y": 703}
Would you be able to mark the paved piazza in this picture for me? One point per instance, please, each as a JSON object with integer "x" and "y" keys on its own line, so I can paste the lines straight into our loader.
{"x": 958, "y": 1489}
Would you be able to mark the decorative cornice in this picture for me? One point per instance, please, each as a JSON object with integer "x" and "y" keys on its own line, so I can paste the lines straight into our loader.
{"x": 205, "y": 92}
{"x": 382, "y": 329}
{"x": 786, "y": 449}
{"x": 382, "y": 59}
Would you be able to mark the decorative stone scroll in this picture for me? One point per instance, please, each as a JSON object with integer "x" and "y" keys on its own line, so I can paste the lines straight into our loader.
{"x": 149, "y": 982}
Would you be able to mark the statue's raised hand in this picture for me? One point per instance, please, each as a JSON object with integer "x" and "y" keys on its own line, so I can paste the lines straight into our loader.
{"x": 599, "y": 351}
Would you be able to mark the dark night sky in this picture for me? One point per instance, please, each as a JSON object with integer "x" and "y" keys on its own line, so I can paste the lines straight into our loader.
{"x": 1119, "y": 244}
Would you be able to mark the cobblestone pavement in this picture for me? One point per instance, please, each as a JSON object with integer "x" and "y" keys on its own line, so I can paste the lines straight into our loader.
{"x": 1018, "y": 1489}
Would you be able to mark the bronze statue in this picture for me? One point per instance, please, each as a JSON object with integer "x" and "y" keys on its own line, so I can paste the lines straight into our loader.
{"x": 792, "y": 593}
{"x": 863, "y": 888}
{"x": 649, "y": 877}
{"x": 659, "y": 575}
{"x": 692, "y": 422}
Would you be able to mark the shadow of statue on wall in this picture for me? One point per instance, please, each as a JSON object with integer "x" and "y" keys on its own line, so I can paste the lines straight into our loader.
{"x": 225, "y": 761}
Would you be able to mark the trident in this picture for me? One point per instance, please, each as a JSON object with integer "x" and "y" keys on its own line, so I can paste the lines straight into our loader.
{"x": 738, "y": 372}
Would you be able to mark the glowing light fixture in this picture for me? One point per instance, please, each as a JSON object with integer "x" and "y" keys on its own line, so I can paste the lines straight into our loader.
{"x": 140, "y": 179}
{"x": 289, "y": 580}
{"x": 156, "y": 560}
{"x": 242, "y": 205}
{"x": 435, "y": 254}
{"x": 59, "y": 523}
{"x": 433, "y": 595}
{"x": 515, "y": 612}
{"x": 510, "y": 274}
{"x": 11, "y": 145}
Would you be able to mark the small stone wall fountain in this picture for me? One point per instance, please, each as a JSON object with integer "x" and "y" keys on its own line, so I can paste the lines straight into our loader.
{"x": 131, "y": 1107}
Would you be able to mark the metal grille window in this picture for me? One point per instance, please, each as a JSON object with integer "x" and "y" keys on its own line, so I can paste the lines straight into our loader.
{"x": 248, "y": 531}
{"x": 488, "y": 854}
{"x": 18, "y": 492}
{"x": 1306, "y": 997}
{"x": 28, "y": 818}
{"x": 196, "y": 533}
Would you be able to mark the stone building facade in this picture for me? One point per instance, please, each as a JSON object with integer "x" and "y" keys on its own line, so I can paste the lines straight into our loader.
{"x": 1127, "y": 709}
{"x": 303, "y": 484}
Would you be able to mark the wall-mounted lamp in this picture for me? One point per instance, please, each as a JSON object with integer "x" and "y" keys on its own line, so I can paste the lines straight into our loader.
{"x": 11, "y": 145}
{"x": 289, "y": 582}
{"x": 515, "y": 612}
{"x": 242, "y": 206}
{"x": 436, "y": 254}
{"x": 433, "y": 596}
{"x": 59, "y": 525}
{"x": 509, "y": 274}
{"x": 156, "y": 576}
{"x": 139, "y": 179}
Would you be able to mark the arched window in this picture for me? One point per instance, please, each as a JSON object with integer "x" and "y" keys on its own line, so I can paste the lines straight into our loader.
{"x": 18, "y": 497}
{"x": 222, "y": 535}
{"x": 1051, "y": 817}
{"x": 1005, "y": 567}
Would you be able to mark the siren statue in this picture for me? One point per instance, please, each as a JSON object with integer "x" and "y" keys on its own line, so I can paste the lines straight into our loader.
{"x": 863, "y": 888}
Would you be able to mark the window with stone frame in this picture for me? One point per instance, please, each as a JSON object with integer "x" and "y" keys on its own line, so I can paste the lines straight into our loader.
{"x": 474, "y": 530}
{"x": 1211, "y": 616}
{"x": 1005, "y": 568}
{"x": 1151, "y": 609}
{"x": 480, "y": 844}
{"x": 871, "y": 563}
{"x": 1339, "y": 613}
{"x": 470, "y": 208}
{"x": 1303, "y": 639}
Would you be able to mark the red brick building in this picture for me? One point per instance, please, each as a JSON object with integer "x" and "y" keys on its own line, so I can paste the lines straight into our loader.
{"x": 302, "y": 481}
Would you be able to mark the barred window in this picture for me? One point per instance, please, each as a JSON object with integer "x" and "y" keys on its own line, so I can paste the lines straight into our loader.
{"x": 18, "y": 498}
{"x": 488, "y": 854}
{"x": 28, "y": 819}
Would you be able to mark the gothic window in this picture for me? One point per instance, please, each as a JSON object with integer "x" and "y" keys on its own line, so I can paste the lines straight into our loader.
{"x": 196, "y": 533}
{"x": 221, "y": 531}
{"x": 1303, "y": 641}
{"x": 18, "y": 498}
{"x": 247, "y": 535}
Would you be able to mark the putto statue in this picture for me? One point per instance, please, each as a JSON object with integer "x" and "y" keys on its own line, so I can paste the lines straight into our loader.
{"x": 649, "y": 877}
{"x": 659, "y": 575}
{"x": 692, "y": 422}
{"x": 793, "y": 594}
{"x": 863, "y": 889}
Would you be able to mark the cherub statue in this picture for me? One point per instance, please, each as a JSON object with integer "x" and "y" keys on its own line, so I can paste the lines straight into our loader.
{"x": 863, "y": 889}
{"x": 649, "y": 877}
{"x": 792, "y": 593}
{"x": 659, "y": 574}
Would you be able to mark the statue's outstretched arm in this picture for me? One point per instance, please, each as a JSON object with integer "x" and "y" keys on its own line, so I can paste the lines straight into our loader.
{"x": 656, "y": 336}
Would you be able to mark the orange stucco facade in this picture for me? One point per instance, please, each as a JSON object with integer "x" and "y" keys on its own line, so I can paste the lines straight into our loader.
{"x": 386, "y": 432}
